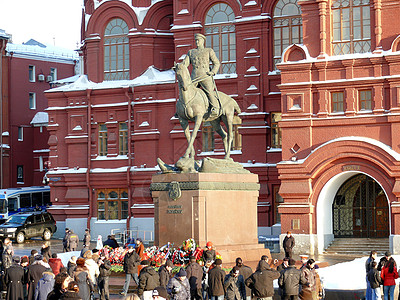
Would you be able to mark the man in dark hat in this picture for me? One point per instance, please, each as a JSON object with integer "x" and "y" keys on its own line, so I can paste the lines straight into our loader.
{"x": 178, "y": 287}
{"x": 131, "y": 263}
{"x": 14, "y": 279}
{"x": 148, "y": 280}
{"x": 216, "y": 277}
{"x": 385, "y": 260}
{"x": 195, "y": 275}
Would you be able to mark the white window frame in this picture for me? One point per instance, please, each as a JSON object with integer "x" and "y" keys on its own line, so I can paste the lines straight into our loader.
{"x": 33, "y": 73}
{"x": 53, "y": 73}
{"x": 20, "y": 134}
{"x": 41, "y": 165}
{"x": 32, "y": 105}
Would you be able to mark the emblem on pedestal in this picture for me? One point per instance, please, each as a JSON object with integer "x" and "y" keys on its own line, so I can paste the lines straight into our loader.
{"x": 174, "y": 191}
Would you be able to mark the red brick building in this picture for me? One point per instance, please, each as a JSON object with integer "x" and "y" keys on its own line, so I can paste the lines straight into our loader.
{"x": 27, "y": 71}
{"x": 317, "y": 85}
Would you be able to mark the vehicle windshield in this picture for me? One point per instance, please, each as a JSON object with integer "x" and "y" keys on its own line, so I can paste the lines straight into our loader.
{"x": 16, "y": 219}
{"x": 3, "y": 206}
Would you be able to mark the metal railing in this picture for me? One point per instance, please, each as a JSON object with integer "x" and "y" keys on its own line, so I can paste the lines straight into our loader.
{"x": 122, "y": 236}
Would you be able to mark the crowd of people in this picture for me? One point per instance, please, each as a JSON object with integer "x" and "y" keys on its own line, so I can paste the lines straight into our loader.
{"x": 42, "y": 275}
{"x": 382, "y": 273}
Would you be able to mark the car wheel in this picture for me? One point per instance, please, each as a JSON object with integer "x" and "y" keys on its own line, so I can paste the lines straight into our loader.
{"x": 46, "y": 234}
{"x": 20, "y": 237}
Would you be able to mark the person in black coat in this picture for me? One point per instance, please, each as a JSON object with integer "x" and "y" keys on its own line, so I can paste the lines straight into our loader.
{"x": 288, "y": 244}
{"x": 375, "y": 281}
{"x": 45, "y": 251}
{"x": 35, "y": 272}
{"x": 14, "y": 279}
{"x": 165, "y": 273}
{"x": 245, "y": 271}
{"x": 216, "y": 277}
{"x": 290, "y": 280}
{"x": 261, "y": 281}
{"x": 195, "y": 275}
{"x": 131, "y": 262}
{"x": 104, "y": 276}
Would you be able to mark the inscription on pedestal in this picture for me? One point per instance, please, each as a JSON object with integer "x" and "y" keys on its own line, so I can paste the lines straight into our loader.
{"x": 174, "y": 209}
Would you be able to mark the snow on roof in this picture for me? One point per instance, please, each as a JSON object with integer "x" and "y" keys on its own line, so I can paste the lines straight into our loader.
{"x": 149, "y": 77}
{"x": 4, "y": 35}
{"x": 40, "y": 118}
{"x": 67, "y": 80}
{"x": 35, "y": 48}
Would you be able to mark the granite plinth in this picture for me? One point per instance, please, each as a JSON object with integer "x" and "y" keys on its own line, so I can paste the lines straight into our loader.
{"x": 221, "y": 208}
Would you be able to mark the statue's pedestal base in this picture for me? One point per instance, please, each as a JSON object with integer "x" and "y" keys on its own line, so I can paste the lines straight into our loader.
{"x": 221, "y": 208}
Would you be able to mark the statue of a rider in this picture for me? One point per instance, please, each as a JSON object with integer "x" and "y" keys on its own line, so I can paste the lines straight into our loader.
{"x": 200, "y": 58}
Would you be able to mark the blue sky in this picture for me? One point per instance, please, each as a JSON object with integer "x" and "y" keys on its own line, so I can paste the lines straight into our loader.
{"x": 54, "y": 22}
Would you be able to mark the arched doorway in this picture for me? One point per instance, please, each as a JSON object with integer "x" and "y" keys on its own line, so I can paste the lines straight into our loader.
{"x": 360, "y": 209}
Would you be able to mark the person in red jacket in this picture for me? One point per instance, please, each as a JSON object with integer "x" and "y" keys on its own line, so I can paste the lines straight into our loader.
{"x": 55, "y": 263}
{"x": 388, "y": 275}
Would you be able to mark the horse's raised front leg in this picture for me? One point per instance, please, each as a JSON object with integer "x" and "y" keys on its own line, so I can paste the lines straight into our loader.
{"x": 186, "y": 131}
{"x": 190, "y": 149}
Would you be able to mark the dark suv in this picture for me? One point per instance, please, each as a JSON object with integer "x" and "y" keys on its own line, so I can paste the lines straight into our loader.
{"x": 26, "y": 225}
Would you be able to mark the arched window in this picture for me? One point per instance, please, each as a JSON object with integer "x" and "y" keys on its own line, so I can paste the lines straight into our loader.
{"x": 288, "y": 27}
{"x": 116, "y": 50}
{"x": 220, "y": 33}
{"x": 351, "y": 26}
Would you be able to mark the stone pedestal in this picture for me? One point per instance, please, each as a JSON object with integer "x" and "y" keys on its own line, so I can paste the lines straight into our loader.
{"x": 221, "y": 208}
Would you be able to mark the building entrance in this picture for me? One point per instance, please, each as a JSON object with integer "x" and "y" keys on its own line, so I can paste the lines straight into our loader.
{"x": 360, "y": 209}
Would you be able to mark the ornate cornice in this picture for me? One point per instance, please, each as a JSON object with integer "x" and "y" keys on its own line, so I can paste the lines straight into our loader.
{"x": 194, "y": 185}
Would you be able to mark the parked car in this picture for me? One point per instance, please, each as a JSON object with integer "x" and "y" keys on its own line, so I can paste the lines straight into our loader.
{"x": 26, "y": 225}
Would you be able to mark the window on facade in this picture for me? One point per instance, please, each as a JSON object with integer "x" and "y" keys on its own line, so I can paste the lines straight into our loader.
{"x": 288, "y": 27}
{"x": 53, "y": 74}
{"x": 31, "y": 73}
{"x": 20, "y": 134}
{"x": 276, "y": 134}
{"x": 123, "y": 138}
{"x": 278, "y": 200}
{"x": 32, "y": 100}
{"x": 20, "y": 173}
{"x": 220, "y": 34}
{"x": 103, "y": 140}
{"x": 351, "y": 26}
{"x": 365, "y": 99}
{"x": 337, "y": 102}
{"x": 116, "y": 50}
{"x": 112, "y": 204}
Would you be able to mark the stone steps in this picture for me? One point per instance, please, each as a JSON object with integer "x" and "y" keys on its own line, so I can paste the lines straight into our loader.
{"x": 357, "y": 246}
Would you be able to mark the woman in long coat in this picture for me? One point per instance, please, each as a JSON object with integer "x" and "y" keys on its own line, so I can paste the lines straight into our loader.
{"x": 14, "y": 280}
{"x": 82, "y": 278}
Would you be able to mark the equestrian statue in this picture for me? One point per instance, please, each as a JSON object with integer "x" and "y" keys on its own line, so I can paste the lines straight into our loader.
{"x": 200, "y": 101}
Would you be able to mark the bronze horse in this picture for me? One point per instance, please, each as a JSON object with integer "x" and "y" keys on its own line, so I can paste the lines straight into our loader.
{"x": 193, "y": 106}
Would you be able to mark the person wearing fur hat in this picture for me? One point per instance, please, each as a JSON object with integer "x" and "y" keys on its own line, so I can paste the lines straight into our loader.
{"x": 178, "y": 286}
{"x": 83, "y": 280}
{"x": 209, "y": 253}
{"x": 216, "y": 277}
{"x": 14, "y": 280}
{"x": 35, "y": 272}
{"x": 71, "y": 266}
{"x": 44, "y": 286}
{"x": 148, "y": 280}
